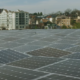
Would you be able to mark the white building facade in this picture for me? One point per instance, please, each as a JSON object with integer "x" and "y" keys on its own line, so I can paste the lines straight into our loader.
{"x": 14, "y": 19}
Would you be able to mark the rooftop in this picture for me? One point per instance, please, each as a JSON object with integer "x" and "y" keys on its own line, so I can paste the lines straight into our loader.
{"x": 17, "y": 11}
{"x": 40, "y": 54}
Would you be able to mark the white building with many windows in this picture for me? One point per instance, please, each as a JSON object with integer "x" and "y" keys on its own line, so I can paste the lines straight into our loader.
{"x": 14, "y": 19}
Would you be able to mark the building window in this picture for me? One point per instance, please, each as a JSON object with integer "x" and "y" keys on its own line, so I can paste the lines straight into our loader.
{"x": 17, "y": 19}
{"x": 16, "y": 23}
{"x": 16, "y": 27}
{"x": 16, "y": 14}
{"x": 21, "y": 26}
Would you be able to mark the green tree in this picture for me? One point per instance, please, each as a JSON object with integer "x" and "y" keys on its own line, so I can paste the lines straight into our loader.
{"x": 64, "y": 27}
{"x": 73, "y": 22}
{"x": 67, "y": 12}
{"x": 74, "y": 13}
{"x": 58, "y": 13}
{"x": 3, "y": 26}
{"x": 78, "y": 25}
{"x": 35, "y": 13}
{"x": 41, "y": 13}
{"x": 36, "y": 27}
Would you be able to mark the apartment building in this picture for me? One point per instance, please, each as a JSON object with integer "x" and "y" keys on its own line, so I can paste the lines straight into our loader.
{"x": 63, "y": 20}
{"x": 14, "y": 19}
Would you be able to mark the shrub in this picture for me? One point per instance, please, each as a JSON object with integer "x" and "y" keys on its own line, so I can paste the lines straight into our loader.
{"x": 64, "y": 27}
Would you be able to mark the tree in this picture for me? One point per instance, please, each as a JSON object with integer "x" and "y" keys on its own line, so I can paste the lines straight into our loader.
{"x": 74, "y": 13}
{"x": 77, "y": 25}
{"x": 38, "y": 14}
{"x": 64, "y": 27}
{"x": 35, "y": 13}
{"x": 73, "y": 22}
{"x": 67, "y": 12}
{"x": 36, "y": 27}
{"x": 48, "y": 22}
{"x": 41, "y": 13}
{"x": 74, "y": 27}
{"x": 3, "y": 26}
{"x": 58, "y": 13}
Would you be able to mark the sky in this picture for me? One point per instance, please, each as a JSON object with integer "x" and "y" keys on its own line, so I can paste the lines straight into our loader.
{"x": 45, "y": 6}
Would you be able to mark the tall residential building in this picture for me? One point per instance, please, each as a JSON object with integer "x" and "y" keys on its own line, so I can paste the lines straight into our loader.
{"x": 14, "y": 19}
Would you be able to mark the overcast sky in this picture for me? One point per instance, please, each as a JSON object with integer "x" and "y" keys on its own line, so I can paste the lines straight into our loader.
{"x": 32, "y": 6}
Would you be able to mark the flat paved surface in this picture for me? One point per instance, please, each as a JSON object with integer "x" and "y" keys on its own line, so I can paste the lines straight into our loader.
{"x": 40, "y": 54}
